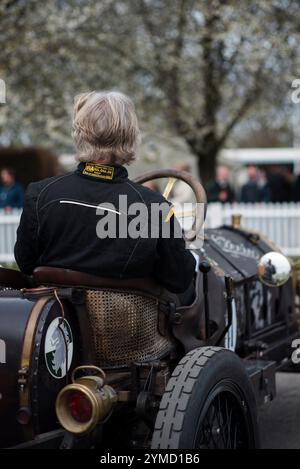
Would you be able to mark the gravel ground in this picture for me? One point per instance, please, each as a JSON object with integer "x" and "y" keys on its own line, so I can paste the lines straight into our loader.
{"x": 280, "y": 420}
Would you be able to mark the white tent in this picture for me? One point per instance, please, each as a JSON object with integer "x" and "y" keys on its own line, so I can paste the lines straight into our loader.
{"x": 261, "y": 156}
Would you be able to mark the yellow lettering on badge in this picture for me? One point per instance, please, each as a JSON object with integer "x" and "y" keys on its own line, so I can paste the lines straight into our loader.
{"x": 99, "y": 171}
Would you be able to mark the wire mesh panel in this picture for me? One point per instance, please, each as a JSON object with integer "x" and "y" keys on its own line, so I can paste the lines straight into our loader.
{"x": 125, "y": 328}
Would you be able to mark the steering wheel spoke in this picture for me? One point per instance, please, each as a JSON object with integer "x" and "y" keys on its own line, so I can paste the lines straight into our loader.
{"x": 169, "y": 187}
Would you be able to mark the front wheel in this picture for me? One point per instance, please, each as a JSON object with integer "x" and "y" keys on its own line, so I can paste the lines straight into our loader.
{"x": 208, "y": 404}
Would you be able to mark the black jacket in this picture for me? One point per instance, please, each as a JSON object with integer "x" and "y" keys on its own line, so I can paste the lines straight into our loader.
{"x": 59, "y": 221}
{"x": 252, "y": 192}
{"x": 213, "y": 190}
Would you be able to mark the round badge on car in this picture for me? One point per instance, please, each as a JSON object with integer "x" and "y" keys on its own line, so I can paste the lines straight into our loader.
{"x": 59, "y": 347}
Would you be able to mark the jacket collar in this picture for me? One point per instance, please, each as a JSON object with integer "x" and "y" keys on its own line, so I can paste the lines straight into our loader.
{"x": 102, "y": 172}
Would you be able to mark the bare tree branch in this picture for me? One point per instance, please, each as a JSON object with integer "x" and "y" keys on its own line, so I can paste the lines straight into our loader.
{"x": 250, "y": 98}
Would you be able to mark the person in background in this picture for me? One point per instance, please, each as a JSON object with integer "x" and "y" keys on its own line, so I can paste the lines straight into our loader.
{"x": 11, "y": 192}
{"x": 220, "y": 189}
{"x": 280, "y": 183}
{"x": 297, "y": 189}
{"x": 253, "y": 191}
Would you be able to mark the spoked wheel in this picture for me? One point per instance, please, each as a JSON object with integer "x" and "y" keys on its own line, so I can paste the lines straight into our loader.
{"x": 222, "y": 424}
{"x": 208, "y": 404}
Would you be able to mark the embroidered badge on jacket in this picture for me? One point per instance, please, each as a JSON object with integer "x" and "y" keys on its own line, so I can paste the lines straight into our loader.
{"x": 99, "y": 171}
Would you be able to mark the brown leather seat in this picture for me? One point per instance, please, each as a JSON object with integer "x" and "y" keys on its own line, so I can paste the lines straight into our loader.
{"x": 72, "y": 278}
{"x": 187, "y": 331}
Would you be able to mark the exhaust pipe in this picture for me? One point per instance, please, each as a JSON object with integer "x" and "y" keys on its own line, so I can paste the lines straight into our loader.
{"x": 80, "y": 406}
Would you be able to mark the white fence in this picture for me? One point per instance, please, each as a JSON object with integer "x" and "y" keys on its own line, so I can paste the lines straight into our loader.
{"x": 279, "y": 222}
{"x": 8, "y": 228}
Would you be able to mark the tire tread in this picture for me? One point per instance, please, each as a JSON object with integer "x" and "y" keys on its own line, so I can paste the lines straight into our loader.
{"x": 170, "y": 417}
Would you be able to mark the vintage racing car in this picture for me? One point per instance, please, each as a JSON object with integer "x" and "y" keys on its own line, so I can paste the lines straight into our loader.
{"x": 91, "y": 362}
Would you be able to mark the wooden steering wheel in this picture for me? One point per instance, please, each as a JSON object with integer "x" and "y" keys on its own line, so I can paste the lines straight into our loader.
{"x": 197, "y": 188}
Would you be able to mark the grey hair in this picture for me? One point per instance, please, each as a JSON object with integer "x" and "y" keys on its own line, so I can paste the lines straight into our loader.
{"x": 105, "y": 128}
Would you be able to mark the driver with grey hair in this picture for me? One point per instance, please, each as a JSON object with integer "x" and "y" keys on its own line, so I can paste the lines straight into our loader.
{"x": 58, "y": 226}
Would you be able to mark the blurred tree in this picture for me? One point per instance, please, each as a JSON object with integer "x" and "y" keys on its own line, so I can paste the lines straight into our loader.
{"x": 204, "y": 65}
{"x": 214, "y": 60}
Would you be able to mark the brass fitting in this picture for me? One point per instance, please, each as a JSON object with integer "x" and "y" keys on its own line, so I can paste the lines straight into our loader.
{"x": 80, "y": 406}
{"x": 236, "y": 220}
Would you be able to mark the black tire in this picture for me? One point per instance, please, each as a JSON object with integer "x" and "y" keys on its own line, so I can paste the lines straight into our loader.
{"x": 207, "y": 379}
